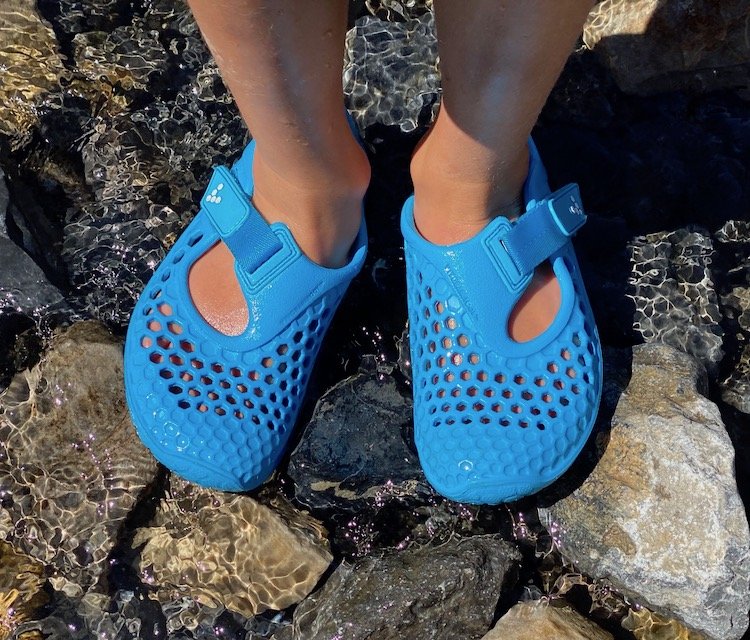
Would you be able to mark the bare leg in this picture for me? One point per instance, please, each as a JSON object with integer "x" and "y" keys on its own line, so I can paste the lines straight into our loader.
{"x": 499, "y": 61}
{"x": 283, "y": 61}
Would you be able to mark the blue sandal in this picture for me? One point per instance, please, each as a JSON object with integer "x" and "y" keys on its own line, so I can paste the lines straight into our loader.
{"x": 497, "y": 419}
{"x": 217, "y": 409}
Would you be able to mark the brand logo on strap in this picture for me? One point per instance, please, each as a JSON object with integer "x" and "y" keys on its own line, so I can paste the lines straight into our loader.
{"x": 575, "y": 208}
{"x": 214, "y": 195}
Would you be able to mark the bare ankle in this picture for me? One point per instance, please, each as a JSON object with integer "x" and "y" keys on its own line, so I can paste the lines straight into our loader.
{"x": 321, "y": 207}
{"x": 457, "y": 192}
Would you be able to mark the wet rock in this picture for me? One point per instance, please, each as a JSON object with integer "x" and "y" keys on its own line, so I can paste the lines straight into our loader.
{"x": 390, "y": 71}
{"x": 449, "y": 591}
{"x": 733, "y": 243}
{"x": 24, "y": 288}
{"x": 31, "y": 68}
{"x": 646, "y": 625}
{"x": 657, "y": 45}
{"x": 534, "y": 620}
{"x": 26, "y": 292}
{"x": 4, "y": 200}
{"x": 146, "y": 169}
{"x": 357, "y": 445}
{"x": 229, "y": 550}
{"x": 71, "y": 464}
{"x": 673, "y": 290}
{"x": 21, "y": 583}
{"x": 736, "y": 386}
{"x": 126, "y": 58}
{"x": 659, "y": 515}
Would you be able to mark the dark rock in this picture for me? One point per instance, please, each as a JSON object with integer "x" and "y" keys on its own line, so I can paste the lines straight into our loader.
{"x": 659, "y": 516}
{"x": 24, "y": 288}
{"x": 674, "y": 293}
{"x": 390, "y": 71}
{"x": 357, "y": 445}
{"x": 450, "y": 591}
{"x": 662, "y": 45}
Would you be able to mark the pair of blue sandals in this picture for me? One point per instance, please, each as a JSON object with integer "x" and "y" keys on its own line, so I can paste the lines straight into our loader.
{"x": 494, "y": 419}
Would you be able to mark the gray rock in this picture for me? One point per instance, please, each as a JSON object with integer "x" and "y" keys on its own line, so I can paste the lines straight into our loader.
{"x": 535, "y": 620}
{"x": 24, "y": 288}
{"x": 357, "y": 446}
{"x": 229, "y": 550}
{"x": 657, "y": 45}
{"x": 71, "y": 464}
{"x": 449, "y": 591}
{"x": 660, "y": 516}
{"x": 674, "y": 294}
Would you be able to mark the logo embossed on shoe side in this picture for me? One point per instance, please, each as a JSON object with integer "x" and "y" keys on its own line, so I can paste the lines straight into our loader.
{"x": 214, "y": 195}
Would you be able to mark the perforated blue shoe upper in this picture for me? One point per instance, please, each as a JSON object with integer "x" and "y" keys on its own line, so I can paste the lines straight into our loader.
{"x": 496, "y": 419}
{"x": 217, "y": 409}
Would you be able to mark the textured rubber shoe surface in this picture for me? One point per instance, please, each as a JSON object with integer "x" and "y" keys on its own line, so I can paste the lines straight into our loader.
{"x": 219, "y": 410}
{"x": 495, "y": 419}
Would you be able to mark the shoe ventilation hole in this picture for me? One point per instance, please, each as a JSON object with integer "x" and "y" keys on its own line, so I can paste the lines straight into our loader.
{"x": 458, "y": 389}
{"x": 264, "y": 395}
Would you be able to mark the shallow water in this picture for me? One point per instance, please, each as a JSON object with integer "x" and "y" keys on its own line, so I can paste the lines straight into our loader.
{"x": 109, "y": 127}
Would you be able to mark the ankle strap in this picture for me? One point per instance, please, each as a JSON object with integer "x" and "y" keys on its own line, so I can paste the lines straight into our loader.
{"x": 238, "y": 222}
{"x": 544, "y": 229}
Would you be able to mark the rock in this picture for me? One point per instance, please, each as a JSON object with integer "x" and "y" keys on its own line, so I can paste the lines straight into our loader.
{"x": 145, "y": 169}
{"x": 4, "y": 200}
{"x": 24, "y": 288}
{"x": 449, "y": 591}
{"x": 660, "y": 516}
{"x": 71, "y": 464}
{"x": 736, "y": 386}
{"x": 125, "y": 58}
{"x": 357, "y": 445}
{"x": 390, "y": 71}
{"x": 31, "y": 68}
{"x": 673, "y": 290}
{"x": 21, "y": 584}
{"x": 534, "y": 620}
{"x": 656, "y": 45}
{"x": 646, "y": 625}
{"x": 229, "y": 550}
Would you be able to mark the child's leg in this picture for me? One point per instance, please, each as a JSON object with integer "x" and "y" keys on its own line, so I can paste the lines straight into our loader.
{"x": 499, "y": 61}
{"x": 283, "y": 61}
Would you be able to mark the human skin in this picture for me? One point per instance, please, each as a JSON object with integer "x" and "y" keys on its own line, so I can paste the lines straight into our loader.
{"x": 282, "y": 62}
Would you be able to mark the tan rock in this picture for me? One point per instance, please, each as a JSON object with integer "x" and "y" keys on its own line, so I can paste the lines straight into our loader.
{"x": 31, "y": 66}
{"x": 71, "y": 462}
{"x": 658, "y": 45}
{"x": 228, "y": 549}
{"x": 21, "y": 582}
{"x": 646, "y": 625}
{"x": 537, "y": 620}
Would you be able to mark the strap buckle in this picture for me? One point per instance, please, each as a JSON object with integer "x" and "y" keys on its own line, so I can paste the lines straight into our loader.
{"x": 566, "y": 209}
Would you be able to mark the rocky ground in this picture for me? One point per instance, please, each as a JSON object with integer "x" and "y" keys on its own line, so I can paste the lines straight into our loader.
{"x": 111, "y": 115}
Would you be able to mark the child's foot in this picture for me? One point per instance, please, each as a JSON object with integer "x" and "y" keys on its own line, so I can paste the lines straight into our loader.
{"x": 451, "y": 208}
{"x": 323, "y": 216}
{"x": 219, "y": 409}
